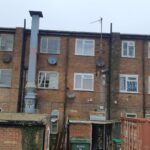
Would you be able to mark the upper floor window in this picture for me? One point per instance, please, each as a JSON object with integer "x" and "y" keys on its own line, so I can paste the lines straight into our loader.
{"x": 147, "y": 115}
{"x": 148, "y": 49}
{"x": 50, "y": 45}
{"x": 129, "y": 83}
{"x": 128, "y": 49}
{"x": 85, "y": 47}
{"x": 131, "y": 115}
{"x": 5, "y": 77}
{"x": 48, "y": 80}
{"x": 6, "y": 42}
{"x": 84, "y": 81}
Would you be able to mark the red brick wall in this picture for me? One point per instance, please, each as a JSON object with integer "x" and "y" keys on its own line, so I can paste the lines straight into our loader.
{"x": 11, "y": 138}
{"x": 80, "y": 130}
{"x": 9, "y": 96}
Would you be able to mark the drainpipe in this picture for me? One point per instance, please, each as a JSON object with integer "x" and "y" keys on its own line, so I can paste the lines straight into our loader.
{"x": 143, "y": 74}
{"x": 21, "y": 88}
{"x": 109, "y": 74}
{"x": 30, "y": 96}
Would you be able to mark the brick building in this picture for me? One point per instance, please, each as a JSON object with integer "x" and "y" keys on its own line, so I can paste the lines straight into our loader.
{"x": 87, "y": 79}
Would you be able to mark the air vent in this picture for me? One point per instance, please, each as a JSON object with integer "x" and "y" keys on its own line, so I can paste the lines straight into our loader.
{"x": 7, "y": 58}
{"x": 52, "y": 60}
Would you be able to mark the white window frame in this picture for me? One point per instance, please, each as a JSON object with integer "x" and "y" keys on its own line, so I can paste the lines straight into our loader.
{"x": 126, "y": 79}
{"x": 51, "y": 72}
{"x": 147, "y": 115}
{"x": 128, "y": 115}
{"x": 148, "y": 50}
{"x": 128, "y": 44}
{"x": 4, "y": 36}
{"x": 47, "y": 38}
{"x": 83, "y": 42}
{"x": 82, "y": 75}
{"x": 3, "y": 85}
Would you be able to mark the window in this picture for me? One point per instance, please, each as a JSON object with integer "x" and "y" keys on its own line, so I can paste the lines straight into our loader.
{"x": 147, "y": 115}
{"x": 48, "y": 80}
{"x": 50, "y": 45}
{"x": 6, "y": 42}
{"x": 5, "y": 77}
{"x": 129, "y": 83}
{"x": 128, "y": 49}
{"x": 131, "y": 115}
{"x": 85, "y": 47}
{"x": 84, "y": 81}
{"x": 148, "y": 49}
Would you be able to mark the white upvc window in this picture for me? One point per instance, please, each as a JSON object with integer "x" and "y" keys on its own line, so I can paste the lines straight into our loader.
{"x": 48, "y": 80}
{"x": 84, "y": 81}
{"x": 5, "y": 77}
{"x": 85, "y": 47}
{"x": 131, "y": 115}
{"x": 128, "y": 49}
{"x": 147, "y": 115}
{"x": 6, "y": 42}
{"x": 128, "y": 83}
{"x": 148, "y": 49}
{"x": 50, "y": 45}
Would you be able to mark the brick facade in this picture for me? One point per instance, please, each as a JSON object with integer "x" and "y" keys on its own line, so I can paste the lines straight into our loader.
{"x": 9, "y": 96}
{"x": 68, "y": 63}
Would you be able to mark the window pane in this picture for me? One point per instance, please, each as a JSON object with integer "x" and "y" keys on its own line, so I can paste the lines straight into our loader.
{"x": 47, "y": 81}
{"x": 87, "y": 76}
{"x": 79, "y": 46}
{"x": 9, "y": 42}
{"x": 125, "y": 47}
{"x": 6, "y": 42}
{"x": 131, "y": 51}
{"x": 53, "y": 81}
{"x": 78, "y": 81}
{"x": 88, "y": 47}
{"x": 42, "y": 79}
{"x": 122, "y": 83}
{"x": 5, "y": 79}
{"x": 53, "y": 45}
{"x": 44, "y": 44}
{"x": 132, "y": 86}
{"x": 87, "y": 84}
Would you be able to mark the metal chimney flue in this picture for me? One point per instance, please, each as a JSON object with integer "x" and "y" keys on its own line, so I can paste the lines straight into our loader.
{"x": 30, "y": 96}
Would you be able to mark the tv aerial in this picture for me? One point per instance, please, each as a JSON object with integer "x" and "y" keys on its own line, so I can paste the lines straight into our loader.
{"x": 100, "y": 20}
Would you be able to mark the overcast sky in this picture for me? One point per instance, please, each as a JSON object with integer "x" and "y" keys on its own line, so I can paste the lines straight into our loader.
{"x": 127, "y": 16}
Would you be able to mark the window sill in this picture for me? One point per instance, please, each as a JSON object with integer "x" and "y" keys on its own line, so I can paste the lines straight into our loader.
{"x": 5, "y": 86}
{"x": 82, "y": 55}
{"x": 40, "y": 88}
{"x": 128, "y": 57}
{"x": 82, "y": 90}
{"x": 127, "y": 92}
{"x": 6, "y": 50}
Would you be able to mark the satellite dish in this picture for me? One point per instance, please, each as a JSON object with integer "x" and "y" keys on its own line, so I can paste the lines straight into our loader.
{"x": 7, "y": 58}
{"x": 100, "y": 63}
{"x": 70, "y": 95}
{"x": 52, "y": 60}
